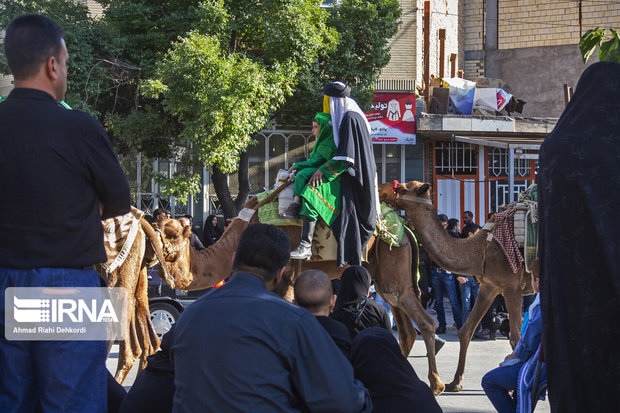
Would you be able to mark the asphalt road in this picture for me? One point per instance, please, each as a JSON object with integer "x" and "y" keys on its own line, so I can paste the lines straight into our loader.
{"x": 482, "y": 356}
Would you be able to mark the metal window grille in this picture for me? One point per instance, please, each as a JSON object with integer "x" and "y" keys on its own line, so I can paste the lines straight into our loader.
{"x": 455, "y": 158}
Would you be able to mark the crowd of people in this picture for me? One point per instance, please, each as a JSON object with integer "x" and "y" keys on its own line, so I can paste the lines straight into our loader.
{"x": 242, "y": 347}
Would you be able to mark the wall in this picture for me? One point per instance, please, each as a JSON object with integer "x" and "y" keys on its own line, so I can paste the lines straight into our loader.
{"x": 406, "y": 63}
{"x": 532, "y": 45}
{"x": 542, "y": 88}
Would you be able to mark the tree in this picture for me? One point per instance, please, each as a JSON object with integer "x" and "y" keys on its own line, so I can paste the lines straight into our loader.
{"x": 609, "y": 51}
{"x": 229, "y": 65}
{"x": 363, "y": 28}
{"x": 83, "y": 37}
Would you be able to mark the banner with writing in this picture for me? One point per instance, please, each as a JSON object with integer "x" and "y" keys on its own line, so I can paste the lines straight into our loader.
{"x": 392, "y": 118}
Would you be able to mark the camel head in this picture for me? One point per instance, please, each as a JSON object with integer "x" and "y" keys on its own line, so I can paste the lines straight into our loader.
{"x": 175, "y": 240}
{"x": 395, "y": 193}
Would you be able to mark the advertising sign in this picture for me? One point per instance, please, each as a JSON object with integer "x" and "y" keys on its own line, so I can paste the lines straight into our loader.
{"x": 392, "y": 118}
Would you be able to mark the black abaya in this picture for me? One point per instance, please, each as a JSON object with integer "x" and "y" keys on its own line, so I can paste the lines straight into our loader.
{"x": 579, "y": 198}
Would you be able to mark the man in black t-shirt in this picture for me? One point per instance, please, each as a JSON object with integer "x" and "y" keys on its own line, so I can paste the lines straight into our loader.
{"x": 313, "y": 291}
{"x": 61, "y": 178}
{"x": 470, "y": 227}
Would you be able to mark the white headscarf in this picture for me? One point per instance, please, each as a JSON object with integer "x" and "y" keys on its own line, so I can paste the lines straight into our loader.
{"x": 338, "y": 107}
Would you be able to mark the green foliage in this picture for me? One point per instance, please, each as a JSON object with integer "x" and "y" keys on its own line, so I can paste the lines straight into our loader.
{"x": 182, "y": 183}
{"x": 83, "y": 36}
{"x": 220, "y": 100}
{"x": 363, "y": 29}
{"x": 609, "y": 51}
{"x": 215, "y": 71}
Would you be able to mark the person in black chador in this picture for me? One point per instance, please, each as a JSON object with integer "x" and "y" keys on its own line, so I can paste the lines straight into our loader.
{"x": 579, "y": 235}
{"x": 356, "y": 222}
{"x": 392, "y": 382}
{"x": 353, "y": 308}
{"x": 212, "y": 231}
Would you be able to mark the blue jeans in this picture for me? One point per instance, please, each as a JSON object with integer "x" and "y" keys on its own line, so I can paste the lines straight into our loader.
{"x": 443, "y": 284}
{"x": 497, "y": 383}
{"x": 469, "y": 293}
{"x": 51, "y": 376}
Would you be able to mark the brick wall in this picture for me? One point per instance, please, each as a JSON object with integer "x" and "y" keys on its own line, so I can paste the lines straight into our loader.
{"x": 533, "y": 23}
{"x": 406, "y": 47}
{"x": 473, "y": 23}
{"x": 403, "y": 48}
{"x": 473, "y": 69}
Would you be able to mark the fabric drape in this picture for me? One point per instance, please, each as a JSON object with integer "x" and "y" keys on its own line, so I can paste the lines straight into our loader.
{"x": 392, "y": 382}
{"x": 579, "y": 196}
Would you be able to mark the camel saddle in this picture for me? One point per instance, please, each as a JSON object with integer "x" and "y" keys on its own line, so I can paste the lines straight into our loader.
{"x": 390, "y": 228}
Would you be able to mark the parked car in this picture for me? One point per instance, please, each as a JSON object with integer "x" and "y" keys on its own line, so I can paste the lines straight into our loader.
{"x": 166, "y": 304}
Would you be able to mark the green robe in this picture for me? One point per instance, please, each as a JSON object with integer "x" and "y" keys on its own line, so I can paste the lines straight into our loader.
{"x": 325, "y": 200}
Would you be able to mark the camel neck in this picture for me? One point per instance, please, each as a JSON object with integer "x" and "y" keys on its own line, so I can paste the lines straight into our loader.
{"x": 450, "y": 253}
{"x": 214, "y": 263}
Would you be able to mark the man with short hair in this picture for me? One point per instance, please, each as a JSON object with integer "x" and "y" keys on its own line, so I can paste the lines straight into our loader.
{"x": 160, "y": 214}
{"x": 470, "y": 227}
{"x": 314, "y": 292}
{"x": 243, "y": 348}
{"x": 61, "y": 179}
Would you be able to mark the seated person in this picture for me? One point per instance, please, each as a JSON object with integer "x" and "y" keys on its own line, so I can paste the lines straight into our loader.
{"x": 391, "y": 380}
{"x": 194, "y": 241}
{"x": 313, "y": 291}
{"x": 499, "y": 382}
{"x": 347, "y": 202}
{"x": 153, "y": 389}
{"x": 324, "y": 150}
{"x": 241, "y": 347}
{"x": 353, "y": 308}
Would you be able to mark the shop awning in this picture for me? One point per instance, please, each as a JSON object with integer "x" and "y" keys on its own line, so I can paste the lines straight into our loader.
{"x": 515, "y": 144}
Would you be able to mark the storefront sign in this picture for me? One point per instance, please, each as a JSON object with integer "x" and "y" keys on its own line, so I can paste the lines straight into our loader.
{"x": 392, "y": 118}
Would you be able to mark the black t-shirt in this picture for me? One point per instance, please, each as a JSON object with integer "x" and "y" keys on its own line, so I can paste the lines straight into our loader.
{"x": 56, "y": 165}
{"x": 338, "y": 332}
{"x": 469, "y": 228}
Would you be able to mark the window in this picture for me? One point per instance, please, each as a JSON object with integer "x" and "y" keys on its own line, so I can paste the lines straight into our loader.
{"x": 455, "y": 158}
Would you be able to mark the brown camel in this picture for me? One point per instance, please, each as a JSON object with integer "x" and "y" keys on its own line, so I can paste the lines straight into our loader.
{"x": 390, "y": 268}
{"x": 141, "y": 340}
{"x": 473, "y": 256}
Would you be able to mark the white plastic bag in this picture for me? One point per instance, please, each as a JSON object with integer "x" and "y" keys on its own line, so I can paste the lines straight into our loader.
{"x": 285, "y": 198}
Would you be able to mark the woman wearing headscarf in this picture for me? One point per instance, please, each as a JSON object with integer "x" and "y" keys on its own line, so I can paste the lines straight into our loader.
{"x": 353, "y": 308}
{"x": 579, "y": 239}
{"x": 392, "y": 382}
{"x": 212, "y": 231}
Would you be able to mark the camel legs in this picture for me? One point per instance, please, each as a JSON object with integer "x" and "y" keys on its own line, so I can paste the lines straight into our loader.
{"x": 514, "y": 302}
{"x": 487, "y": 294}
{"x": 148, "y": 340}
{"x": 406, "y": 331}
{"x": 408, "y": 307}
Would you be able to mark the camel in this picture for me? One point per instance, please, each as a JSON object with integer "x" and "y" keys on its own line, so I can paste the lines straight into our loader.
{"x": 390, "y": 269}
{"x": 474, "y": 256}
{"x": 141, "y": 340}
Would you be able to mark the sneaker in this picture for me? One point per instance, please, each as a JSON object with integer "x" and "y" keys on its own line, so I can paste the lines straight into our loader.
{"x": 441, "y": 330}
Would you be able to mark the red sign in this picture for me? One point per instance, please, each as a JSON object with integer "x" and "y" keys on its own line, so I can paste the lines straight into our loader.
{"x": 392, "y": 118}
